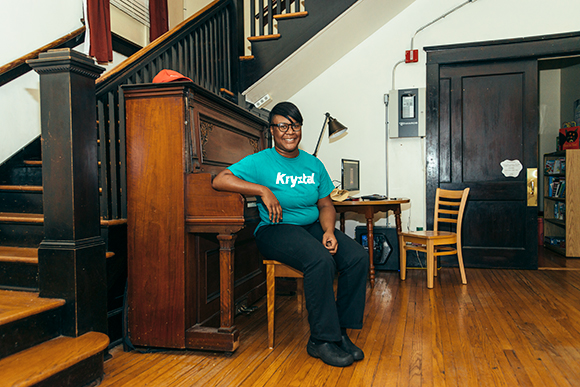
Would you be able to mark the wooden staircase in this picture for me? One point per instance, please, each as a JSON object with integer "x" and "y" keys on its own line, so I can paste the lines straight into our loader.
{"x": 294, "y": 28}
{"x": 32, "y": 352}
{"x": 21, "y": 219}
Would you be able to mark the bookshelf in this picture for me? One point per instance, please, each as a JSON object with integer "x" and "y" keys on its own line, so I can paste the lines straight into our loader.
{"x": 562, "y": 202}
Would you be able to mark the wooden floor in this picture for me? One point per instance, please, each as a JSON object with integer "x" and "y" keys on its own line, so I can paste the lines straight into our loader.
{"x": 504, "y": 328}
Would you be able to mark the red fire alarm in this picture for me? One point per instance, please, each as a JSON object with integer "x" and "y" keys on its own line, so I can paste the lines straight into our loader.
{"x": 411, "y": 56}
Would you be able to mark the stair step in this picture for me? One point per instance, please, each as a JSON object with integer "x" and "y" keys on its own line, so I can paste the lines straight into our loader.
{"x": 33, "y": 162}
{"x": 19, "y": 254}
{"x": 292, "y": 15}
{"x": 21, "y": 188}
{"x": 27, "y": 320}
{"x": 263, "y": 37}
{"x": 21, "y": 173}
{"x": 18, "y": 305}
{"x": 13, "y": 217}
{"x": 19, "y": 268}
{"x": 25, "y": 254}
{"x": 226, "y": 91}
{"x": 21, "y": 198}
{"x": 63, "y": 361}
{"x": 21, "y": 229}
{"x": 27, "y": 230}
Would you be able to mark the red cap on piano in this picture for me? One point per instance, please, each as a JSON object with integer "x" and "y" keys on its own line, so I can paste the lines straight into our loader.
{"x": 169, "y": 76}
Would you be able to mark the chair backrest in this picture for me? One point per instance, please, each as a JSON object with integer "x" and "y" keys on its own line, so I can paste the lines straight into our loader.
{"x": 449, "y": 208}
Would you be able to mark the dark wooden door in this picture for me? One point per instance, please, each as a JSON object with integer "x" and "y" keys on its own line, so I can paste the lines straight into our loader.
{"x": 489, "y": 114}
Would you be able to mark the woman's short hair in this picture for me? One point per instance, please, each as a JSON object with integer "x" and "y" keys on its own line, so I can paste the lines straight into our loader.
{"x": 288, "y": 110}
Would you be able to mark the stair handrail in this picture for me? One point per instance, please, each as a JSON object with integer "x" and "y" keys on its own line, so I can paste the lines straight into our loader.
{"x": 18, "y": 67}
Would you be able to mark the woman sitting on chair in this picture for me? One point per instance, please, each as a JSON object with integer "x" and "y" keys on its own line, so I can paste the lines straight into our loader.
{"x": 297, "y": 229}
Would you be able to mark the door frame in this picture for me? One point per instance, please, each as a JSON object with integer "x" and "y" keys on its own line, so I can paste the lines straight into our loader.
{"x": 539, "y": 47}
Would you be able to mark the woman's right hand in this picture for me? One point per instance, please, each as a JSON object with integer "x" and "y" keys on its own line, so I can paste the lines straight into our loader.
{"x": 273, "y": 205}
{"x": 227, "y": 181}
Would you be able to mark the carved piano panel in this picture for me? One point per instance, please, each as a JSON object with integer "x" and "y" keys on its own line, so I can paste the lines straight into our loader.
{"x": 184, "y": 282}
{"x": 221, "y": 139}
{"x": 221, "y": 144}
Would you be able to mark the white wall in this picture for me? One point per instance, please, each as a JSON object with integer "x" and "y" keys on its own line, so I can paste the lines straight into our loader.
{"x": 20, "y": 27}
{"x": 352, "y": 89}
{"x": 190, "y": 7}
{"x": 28, "y": 26}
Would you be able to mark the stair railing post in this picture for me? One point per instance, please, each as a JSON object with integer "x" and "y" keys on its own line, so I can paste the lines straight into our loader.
{"x": 237, "y": 32}
{"x": 71, "y": 257}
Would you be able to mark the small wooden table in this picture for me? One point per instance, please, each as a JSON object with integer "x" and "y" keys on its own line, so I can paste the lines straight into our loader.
{"x": 369, "y": 208}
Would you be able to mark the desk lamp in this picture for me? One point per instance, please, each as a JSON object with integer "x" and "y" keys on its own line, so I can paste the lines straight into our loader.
{"x": 335, "y": 129}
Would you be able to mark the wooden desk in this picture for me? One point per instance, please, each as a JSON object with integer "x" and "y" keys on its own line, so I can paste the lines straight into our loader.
{"x": 369, "y": 209}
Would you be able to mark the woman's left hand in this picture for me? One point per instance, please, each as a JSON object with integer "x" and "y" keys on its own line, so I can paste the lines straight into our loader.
{"x": 329, "y": 241}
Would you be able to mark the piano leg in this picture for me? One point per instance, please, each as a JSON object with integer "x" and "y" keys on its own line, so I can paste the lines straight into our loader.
{"x": 226, "y": 282}
{"x": 227, "y": 336}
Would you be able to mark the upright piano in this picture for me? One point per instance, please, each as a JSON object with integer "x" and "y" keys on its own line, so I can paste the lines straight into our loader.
{"x": 183, "y": 282}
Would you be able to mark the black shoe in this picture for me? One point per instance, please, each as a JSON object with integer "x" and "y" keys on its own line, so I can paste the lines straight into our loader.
{"x": 347, "y": 346}
{"x": 329, "y": 353}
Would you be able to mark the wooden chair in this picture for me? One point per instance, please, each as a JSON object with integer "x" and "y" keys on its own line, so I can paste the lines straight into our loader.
{"x": 276, "y": 269}
{"x": 449, "y": 208}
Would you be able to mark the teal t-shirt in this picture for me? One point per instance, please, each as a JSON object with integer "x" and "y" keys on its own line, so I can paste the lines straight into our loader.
{"x": 298, "y": 183}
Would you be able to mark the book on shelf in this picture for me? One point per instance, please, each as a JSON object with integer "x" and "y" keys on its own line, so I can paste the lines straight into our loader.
{"x": 549, "y": 169}
{"x": 555, "y": 241}
{"x": 560, "y": 211}
{"x": 556, "y": 187}
{"x": 561, "y": 192}
{"x": 555, "y": 166}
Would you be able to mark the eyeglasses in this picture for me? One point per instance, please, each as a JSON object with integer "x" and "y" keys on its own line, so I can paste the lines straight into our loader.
{"x": 283, "y": 127}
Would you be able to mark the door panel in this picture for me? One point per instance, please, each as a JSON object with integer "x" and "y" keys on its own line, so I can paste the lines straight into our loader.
{"x": 488, "y": 114}
{"x": 479, "y": 125}
{"x": 485, "y": 214}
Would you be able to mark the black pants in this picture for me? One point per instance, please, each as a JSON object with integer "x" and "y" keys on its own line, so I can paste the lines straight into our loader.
{"x": 301, "y": 248}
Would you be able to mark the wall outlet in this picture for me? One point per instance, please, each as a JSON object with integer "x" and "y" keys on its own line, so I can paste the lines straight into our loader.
{"x": 262, "y": 100}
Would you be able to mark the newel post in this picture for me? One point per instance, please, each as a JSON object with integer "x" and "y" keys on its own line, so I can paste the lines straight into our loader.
{"x": 71, "y": 258}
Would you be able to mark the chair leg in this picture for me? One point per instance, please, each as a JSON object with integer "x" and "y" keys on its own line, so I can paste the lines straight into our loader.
{"x": 300, "y": 294}
{"x": 271, "y": 295}
{"x": 402, "y": 258}
{"x": 461, "y": 267}
{"x": 430, "y": 263}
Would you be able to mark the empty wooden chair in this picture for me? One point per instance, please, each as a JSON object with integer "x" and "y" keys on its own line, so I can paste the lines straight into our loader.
{"x": 449, "y": 208}
{"x": 276, "y": 269}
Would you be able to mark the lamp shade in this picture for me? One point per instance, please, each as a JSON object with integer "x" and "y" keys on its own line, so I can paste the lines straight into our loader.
{"x": 335, "y": 128}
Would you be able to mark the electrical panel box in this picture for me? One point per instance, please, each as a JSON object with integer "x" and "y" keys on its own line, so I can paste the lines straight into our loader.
{"x": 407, "y": 113}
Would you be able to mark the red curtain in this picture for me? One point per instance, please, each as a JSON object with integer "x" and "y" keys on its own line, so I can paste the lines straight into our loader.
{"x": 99, "y": 15}
{"x": 157, "y": 18}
